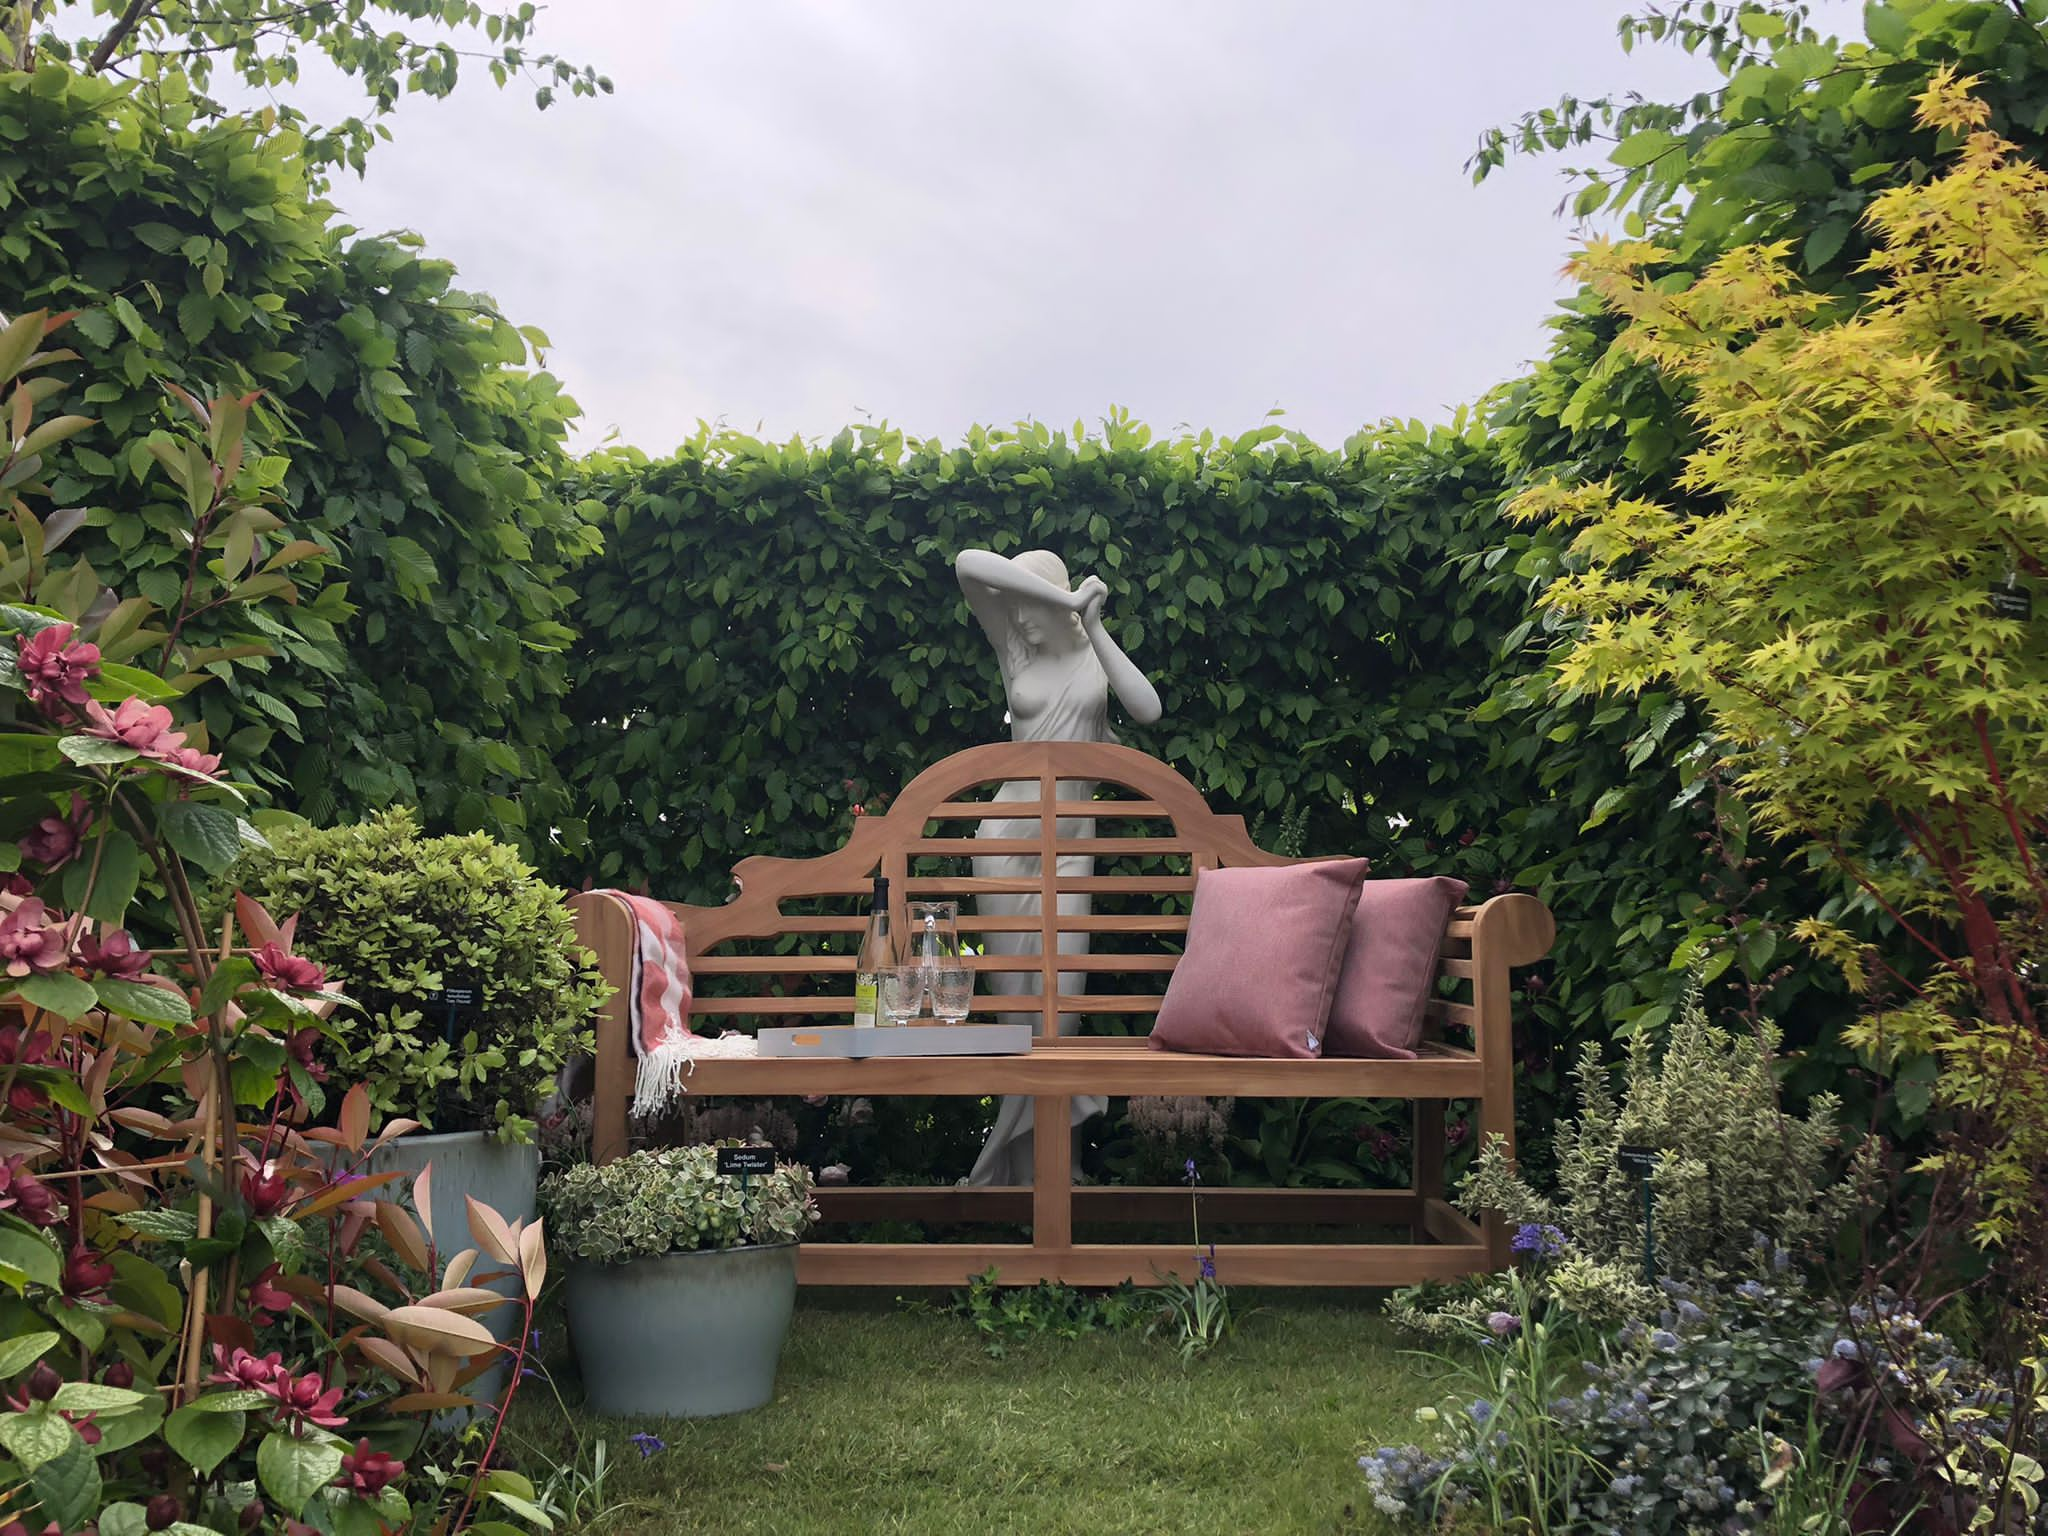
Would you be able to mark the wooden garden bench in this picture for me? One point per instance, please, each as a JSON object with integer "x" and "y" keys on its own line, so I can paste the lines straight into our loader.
{"x": 752, "y": 962}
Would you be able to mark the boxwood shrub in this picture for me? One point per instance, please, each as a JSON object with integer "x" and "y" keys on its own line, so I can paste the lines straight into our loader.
{"x": 404, "y": 922}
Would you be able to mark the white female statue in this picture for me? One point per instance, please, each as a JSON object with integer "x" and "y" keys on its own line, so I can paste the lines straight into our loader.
{"x": 1059, "y": 668}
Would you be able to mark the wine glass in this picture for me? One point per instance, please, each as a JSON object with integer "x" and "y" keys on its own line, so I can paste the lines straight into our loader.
{"x": 900, "y": 990}
{"x": 952, "y": 988}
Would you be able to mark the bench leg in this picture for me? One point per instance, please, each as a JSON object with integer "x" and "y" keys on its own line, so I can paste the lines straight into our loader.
{"x": 1052, "y": 1174}
{"x": 1429, "y": 1162}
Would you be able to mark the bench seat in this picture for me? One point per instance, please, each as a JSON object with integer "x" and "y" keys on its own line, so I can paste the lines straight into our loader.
{"x": 1100, "y": 1065}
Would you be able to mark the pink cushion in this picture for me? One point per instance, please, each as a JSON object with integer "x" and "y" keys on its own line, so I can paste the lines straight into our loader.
{"x": 1263, "y": 951}
{"x": 1397, "y": 937}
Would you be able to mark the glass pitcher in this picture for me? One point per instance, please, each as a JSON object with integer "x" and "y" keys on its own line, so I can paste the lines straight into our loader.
{"x": 933, "y": 940}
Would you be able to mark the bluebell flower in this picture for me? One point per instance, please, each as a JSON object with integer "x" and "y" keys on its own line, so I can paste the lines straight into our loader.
{"x": 1481, "y": 1410}
{"x": 1538, "y": 1239}
{"x": 533, "y": 1341}
{"x": 1191, "y": 1176}
{"x": 1208, "y": 1262}
{"x": 648, "y": 1444}
{"x": 1845, "y": 1349}
{"x": 1663, "y": 1338}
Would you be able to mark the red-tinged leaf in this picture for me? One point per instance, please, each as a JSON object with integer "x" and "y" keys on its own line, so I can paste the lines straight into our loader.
{"x": 533, "y": 1259}
{"x": 360, "y": 1304}
{"x": 191, "y": 403}
{"x": 53, "y": 322}
{"x": 443, "y": 1370}
{"x": 424, "y": 1402}
{"x": 439, "y": 1332}
{"x": 257, "y": 923}
{"x": 351, "y": 1188}
{"x": 230, "y": 1332}
{"x": 385, "y": 1274}
{"x": 466, "y": 1299}
{"x": 148, "y": 1121}
{"x": 394, "y": 1128}
{"x": 490, "y": 1231}
{"x": 404, "y": 1236}
{"x": 355, "y": 1117}
{"x": 423, "y": 1197}
{"x": 390, "y": 1359}
{"x": 459, "y": 1267}
{"x": 304, "y": 1287}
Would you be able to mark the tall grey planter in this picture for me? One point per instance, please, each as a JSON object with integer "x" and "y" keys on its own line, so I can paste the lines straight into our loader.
{"x": 502, "y": 1176}
{"x": 688, "y": 1335}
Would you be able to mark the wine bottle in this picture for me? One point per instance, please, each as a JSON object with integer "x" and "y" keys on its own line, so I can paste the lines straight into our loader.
{"x": 877, "y": 954}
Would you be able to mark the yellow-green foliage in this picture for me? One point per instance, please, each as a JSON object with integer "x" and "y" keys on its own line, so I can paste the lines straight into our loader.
{"x": 397, "y": 918}
{"x": 1870, "y": 477}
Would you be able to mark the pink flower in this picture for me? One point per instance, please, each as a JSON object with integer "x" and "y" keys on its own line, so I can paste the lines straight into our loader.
{"x": 86, "y": 1275}
{"x": 54, "y": 669}
{"x": 278, "y": 965}
{"x": 301, "y": 1043}
{"x": 135, "y": 723}
{"x": 25, "y": 1098}
{"x": 115, "y": 955}
{"x": 306, "y": 1399}
{"x": 367, "y": 1472}
{"x": 242, "y": 1369}
{"x": 194, "y": 761}
{"x": 265, "y": 1297}
{"x": 32, "y": 939}
{"x": 55, "y": 840}
{"x": 28, "y": 1196}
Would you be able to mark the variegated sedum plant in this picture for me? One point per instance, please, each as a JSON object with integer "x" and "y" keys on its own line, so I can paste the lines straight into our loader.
{"x": 673, "y": 1200}
{"x": 1847, "y": 596}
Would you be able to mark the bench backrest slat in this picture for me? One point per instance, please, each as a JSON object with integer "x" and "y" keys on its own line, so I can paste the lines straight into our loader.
{"x": 783, "y": 945}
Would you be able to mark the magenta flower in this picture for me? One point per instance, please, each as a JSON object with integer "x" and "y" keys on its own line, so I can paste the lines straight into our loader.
{"x": 135, "y": 723}
{"x": 54, "y": 669}
{"x": 28, "y": 1196}
{"x": 86, "y": 1275}
{"x": 192, "y": 760}
{"x": 306, "y": 1399}
{"x": 114, "y": 955}
{"x": 368, "y": 1473}
{"x": 33, "y": 940}
{"x": 242, "y": 1369}
{"x": 266, "y": 1299}
{"x": 279, "y": 966}
{"x": 55, "y": 840}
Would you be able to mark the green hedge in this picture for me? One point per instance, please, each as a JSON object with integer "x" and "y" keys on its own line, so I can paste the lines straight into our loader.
{"x": 773, "y": 632}
{"x": 398, "y": 419}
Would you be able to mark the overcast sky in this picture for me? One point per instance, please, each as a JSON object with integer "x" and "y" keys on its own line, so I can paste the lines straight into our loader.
{"x": 793, "y": 214}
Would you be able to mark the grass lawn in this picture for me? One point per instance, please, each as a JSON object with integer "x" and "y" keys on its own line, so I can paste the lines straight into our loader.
{"x": 891, "y": 1421}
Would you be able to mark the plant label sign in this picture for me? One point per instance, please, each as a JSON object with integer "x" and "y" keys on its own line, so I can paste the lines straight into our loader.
{"x": 1640, "y": 1161}
{"x": 745, "y": 1160}
{"x": 2010, "y": 600}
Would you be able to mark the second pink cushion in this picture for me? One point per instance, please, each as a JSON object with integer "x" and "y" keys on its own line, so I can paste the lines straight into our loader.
{"x": 1397, "y": 938}
{"x": 1264, "y": 950}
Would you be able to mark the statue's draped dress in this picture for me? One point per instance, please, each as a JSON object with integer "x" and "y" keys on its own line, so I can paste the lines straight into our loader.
{"x": 1077, "y": 710}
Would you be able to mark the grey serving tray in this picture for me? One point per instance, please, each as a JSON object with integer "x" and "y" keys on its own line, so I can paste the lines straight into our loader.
{"x": 851, "y": 1040}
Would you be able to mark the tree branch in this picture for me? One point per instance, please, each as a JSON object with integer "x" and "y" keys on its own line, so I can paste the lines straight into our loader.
{"x": 122, "y": 29}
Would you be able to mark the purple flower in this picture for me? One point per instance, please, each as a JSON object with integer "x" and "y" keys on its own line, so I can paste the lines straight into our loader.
{"x": 1538, "y": 1239}
{"x": 1501, "y": 1324}
{"x": 1845, "y": 1349}
{"x": 1481, "y": 1410}
{"x": 1208, "y": 1262}
{"x": 1664, "y": 1339}
{"x": 1191, "y": 1177}
{"x": 648, "y": 1444}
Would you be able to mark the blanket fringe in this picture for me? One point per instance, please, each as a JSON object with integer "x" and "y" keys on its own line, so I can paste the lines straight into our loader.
{"x": 658, "y": 1082}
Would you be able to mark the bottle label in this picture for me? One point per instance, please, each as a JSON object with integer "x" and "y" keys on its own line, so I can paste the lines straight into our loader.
{"x": 864, "y": 992}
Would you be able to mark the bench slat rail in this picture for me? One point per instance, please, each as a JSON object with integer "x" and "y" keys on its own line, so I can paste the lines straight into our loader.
{"x": 1468, "y": 1053}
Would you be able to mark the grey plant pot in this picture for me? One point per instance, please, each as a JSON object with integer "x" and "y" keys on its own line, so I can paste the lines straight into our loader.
{"x": 502, "y": 1176}
{"x": 687, "y": 1335}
